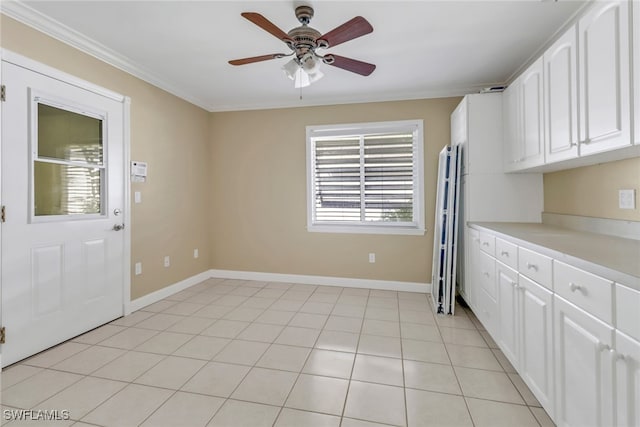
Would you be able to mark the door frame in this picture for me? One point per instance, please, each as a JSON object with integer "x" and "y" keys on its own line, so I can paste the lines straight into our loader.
{"x": 30, "y": 64}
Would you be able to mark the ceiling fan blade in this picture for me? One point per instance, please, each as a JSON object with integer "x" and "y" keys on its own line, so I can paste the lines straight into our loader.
{"x": 350, "y": 30}
{"x": 256, "y": 59}
{"x": 353, "y": 65}
{"x": 266, "y": 25}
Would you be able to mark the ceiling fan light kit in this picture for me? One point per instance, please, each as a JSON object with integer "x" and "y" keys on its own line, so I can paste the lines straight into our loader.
{"x": 304, "y": 68}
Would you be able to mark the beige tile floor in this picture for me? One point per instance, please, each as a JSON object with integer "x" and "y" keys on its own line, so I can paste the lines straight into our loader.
{"x": 246, "y": 353}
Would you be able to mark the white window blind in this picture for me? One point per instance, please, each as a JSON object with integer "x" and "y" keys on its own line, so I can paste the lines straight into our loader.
{"x": 366, "y": 177}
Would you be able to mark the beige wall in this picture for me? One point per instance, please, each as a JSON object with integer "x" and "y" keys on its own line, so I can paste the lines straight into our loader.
{"x": 593, "y": 190}
{"x": 259, "y": 205}
{"x": 170, "y": 134}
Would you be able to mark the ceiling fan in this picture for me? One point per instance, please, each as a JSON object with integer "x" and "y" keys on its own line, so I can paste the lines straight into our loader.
{"x": 303, "y": 41}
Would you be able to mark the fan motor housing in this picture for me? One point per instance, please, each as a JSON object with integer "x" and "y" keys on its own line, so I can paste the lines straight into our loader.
{"x": 304, "y": 39}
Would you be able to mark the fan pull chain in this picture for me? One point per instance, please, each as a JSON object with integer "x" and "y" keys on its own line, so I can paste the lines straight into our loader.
{"x": 300, "y": 93}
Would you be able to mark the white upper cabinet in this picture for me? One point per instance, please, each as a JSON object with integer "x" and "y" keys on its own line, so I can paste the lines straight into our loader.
{"x": 512, "y": 152}
{"x": 579, "y": 104}
{"x": 532, "y": 113}
{"x": 523, "y": 117}
{"x": 561, "y": 98}
{"x": 603, "y": 37}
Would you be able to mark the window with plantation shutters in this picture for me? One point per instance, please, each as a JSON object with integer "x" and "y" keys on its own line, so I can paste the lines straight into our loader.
{"x": 366, "y": 178}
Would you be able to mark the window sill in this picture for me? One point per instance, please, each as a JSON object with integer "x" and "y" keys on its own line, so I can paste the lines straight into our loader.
{"x": 407, "y": 231}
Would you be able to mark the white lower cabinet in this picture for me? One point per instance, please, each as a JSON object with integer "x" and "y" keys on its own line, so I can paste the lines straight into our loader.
{"x": 487, "y": 303}
{"x": 555, "y": 324}
{"x": 536, "y": 341}
{"x": 507, "y": 281}
{"x": 627, "y": 367}
{"x": 471, "y": 260}
{"x": 583, "y": 367}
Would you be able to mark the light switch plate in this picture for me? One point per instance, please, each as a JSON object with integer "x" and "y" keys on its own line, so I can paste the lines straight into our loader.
{"x": 138, "y": 268}
{"x": 137, "y": 197}
{"x": 627, "y": 199}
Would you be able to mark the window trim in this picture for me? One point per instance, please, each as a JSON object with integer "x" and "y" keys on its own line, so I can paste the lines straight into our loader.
{"x": 416, "y": 126}
{"x": 39, "y": 97}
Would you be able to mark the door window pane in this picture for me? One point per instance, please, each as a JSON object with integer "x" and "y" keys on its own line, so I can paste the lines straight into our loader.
{"x": 66, "y": 190}
{"x": 65, "y": 135}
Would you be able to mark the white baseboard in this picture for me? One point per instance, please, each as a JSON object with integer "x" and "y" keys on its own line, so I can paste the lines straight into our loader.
{"x": 163, "y": 293}
{"x": 388, "y": 285}
{"x": 323, "y": 280}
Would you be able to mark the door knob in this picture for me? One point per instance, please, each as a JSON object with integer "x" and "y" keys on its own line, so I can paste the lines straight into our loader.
{"x": 118, "y": 227}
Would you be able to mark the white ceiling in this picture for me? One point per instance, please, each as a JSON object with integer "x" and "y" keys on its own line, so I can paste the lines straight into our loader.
{"x": 422, "y": 49}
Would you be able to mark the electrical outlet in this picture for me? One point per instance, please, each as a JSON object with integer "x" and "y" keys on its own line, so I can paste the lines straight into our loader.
{"x": 167, "y": 261}
{"x": 372, "y": 258}
{"x": 627, "y": 199}
{"x": 138, "y": 268}
{"x": 196, "y": 254}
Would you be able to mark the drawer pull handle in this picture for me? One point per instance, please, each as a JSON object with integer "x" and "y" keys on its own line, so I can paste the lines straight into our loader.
{"x": 505, "y": 253}
{"x": 604, "y": 347}
{"x": 532, "y": 266}
{"x": 485, "y": 243}
{"x": 574, "y": 287}
{"x": 485, "y": 273}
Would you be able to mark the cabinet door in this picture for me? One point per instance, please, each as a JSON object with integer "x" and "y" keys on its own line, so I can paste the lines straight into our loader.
{"x": 561, "y": 98}
{"x": 471, "y": 274}
{"x": 532, "y": 112}
{"x": 512, "y": 139}
{"x": 507, "y": 281}
{"x": 627, "y": 381}
{"x": 604, "y": 77}
{"x": 584, "y": 383}
{"x": 459, "y": 123}
{"x": 536, "y": 341}
{"x": 487, "y": 293}
{"x": 488, "y": 274}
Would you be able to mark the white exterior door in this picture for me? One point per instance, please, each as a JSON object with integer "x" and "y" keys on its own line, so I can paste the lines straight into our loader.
{"x": 62, "y": 185}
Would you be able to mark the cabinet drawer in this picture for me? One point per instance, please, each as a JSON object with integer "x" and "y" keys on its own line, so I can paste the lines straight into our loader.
{"x": 535, "y": 266}
{"x": 507, "y": 253}
{"x": 488, "y": 243}
{"x": 588, "y": 291}
{"x": 628, "y": 311}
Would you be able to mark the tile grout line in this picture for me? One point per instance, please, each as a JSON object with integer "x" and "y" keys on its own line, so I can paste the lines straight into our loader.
{"x": 270, "y": 344}
{"x": 355, "y": 356}
{"x": 306, "y": 359}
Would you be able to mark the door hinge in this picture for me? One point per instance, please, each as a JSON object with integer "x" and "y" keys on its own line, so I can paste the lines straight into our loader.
{"x": 3, "y": 214}
{"x": 3, "y": 93}
{"x": 2, "y": 335}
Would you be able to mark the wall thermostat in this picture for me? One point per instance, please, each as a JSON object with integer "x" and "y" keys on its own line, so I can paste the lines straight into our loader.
{"x": 138, "y": 171}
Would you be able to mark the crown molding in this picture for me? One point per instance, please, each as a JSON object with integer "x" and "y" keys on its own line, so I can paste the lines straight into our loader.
{"x": 21, "y": 12}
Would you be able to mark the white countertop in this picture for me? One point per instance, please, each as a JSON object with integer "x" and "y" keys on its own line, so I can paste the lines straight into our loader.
{"x": 613, "y": 258}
